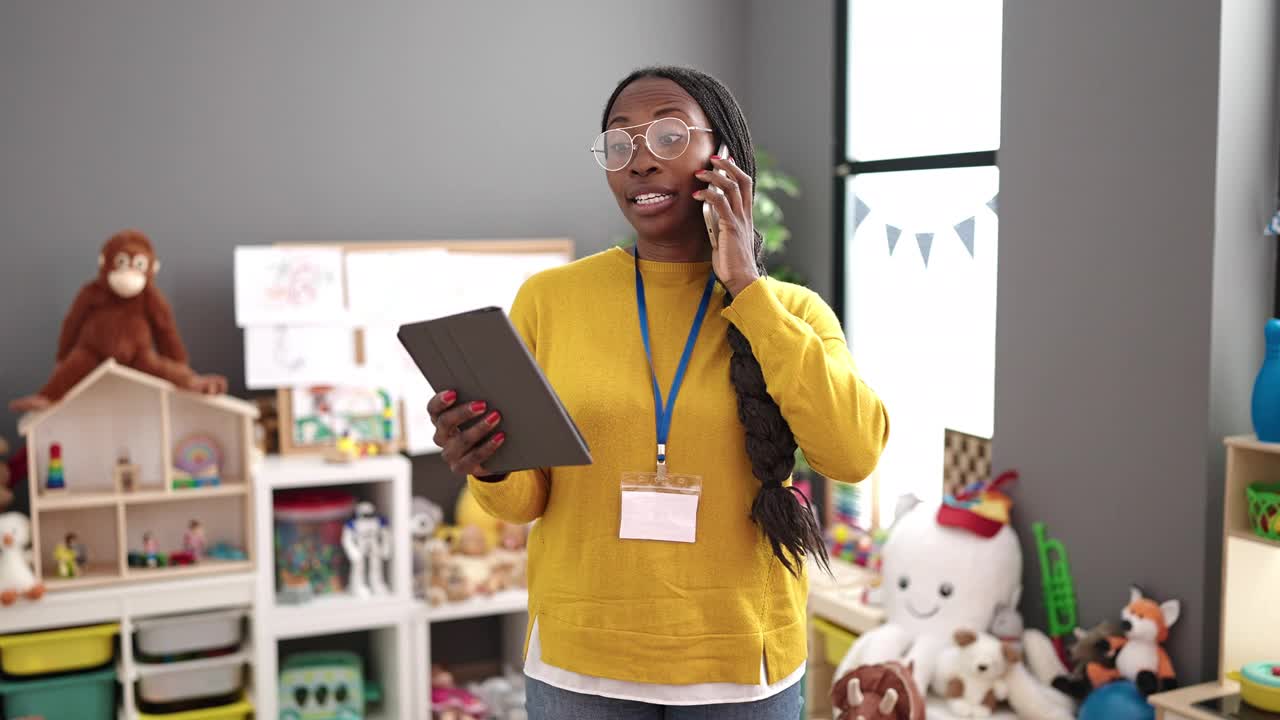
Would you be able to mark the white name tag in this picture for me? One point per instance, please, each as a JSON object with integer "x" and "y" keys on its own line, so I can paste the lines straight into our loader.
{"x": 660, "y": 508}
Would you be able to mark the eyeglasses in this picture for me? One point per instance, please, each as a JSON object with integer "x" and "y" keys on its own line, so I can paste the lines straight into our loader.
{"x": 667, "y": 139}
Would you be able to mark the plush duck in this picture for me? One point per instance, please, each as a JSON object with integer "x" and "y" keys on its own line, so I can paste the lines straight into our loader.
{"x": 16, "y": 576}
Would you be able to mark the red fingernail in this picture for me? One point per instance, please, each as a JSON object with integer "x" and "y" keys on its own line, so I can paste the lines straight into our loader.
{"x": 697, "y": 193}
{"x": 498, "y": 438}
{"x": 492, "y": 418}
{"x": 449, "y": 396}
{"x": 478, "y": 406}
{"x": 715, "y": 157}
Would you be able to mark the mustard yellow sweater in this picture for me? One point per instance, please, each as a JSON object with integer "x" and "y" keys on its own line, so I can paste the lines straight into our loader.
{"x": 667, "y": 612}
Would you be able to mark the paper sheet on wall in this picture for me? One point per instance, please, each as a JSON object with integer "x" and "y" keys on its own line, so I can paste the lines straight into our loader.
{"x": 502, "y": 274}
{"x": 391, "y": 288}
{"x": 288, "y": 286}
{"x": 282, "y": 356}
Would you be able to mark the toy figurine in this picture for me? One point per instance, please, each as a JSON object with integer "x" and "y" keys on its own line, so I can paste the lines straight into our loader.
{"x": 150, "y": 550}
{"x": 69, "y": 556}
{"x": 16, "y": 576}
{"x": 367, "y": 542}
{"x": 125, "y": 473}
{"x": 54, "y": 480}
{"x": 193, "y": 540}
{"x": 348, "y": 448}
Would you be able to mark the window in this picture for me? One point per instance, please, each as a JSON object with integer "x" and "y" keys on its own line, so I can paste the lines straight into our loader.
{"x": 918, "y": 126}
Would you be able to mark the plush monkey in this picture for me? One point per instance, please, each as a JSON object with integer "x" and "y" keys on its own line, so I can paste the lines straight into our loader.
{"x": 121, "y": 314}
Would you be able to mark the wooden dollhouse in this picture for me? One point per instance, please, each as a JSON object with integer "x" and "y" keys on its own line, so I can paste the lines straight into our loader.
{"x": 129, "y": 475}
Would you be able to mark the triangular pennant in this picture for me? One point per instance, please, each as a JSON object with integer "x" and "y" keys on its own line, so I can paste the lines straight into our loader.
{"x": 965, "y": 231}
{"x": 860, "y": 212}
{"x": 893, "y": 234}
{"x": 994, "y": 203}
{"x": 925, "y": 240}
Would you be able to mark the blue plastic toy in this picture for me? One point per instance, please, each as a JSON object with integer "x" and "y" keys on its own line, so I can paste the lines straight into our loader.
{"x": 1266, "y": 388}
{"x": 1119, "y": 700}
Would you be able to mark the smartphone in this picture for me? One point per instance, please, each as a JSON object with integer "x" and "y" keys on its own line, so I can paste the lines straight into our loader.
{"x": 709, "y": 214}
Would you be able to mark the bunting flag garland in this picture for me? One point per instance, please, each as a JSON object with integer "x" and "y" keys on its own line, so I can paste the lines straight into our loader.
{"x": 925, "y": 240}
{"x": 892, "y": 233}
{"x": 860, "y": 212}
{"x": 966, "y": 229}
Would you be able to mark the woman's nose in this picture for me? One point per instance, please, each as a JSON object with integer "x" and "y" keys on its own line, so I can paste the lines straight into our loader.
{"x": 642, "y": 161}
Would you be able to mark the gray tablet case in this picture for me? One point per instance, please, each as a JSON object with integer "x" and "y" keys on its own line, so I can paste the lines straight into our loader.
{"x": 479, "y": 355}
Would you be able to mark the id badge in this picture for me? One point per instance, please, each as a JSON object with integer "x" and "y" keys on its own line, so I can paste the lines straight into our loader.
{"x": 660, "y": 506}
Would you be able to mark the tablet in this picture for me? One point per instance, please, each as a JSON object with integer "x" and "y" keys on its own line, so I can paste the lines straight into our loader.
{"x": 479, "y": 355}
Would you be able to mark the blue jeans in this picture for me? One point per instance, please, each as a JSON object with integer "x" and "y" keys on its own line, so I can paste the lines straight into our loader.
{"x": 546, "y": 702}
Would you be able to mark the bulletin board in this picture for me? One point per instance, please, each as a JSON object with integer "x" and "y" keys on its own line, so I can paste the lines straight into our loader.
{"x": 317, "y": 312}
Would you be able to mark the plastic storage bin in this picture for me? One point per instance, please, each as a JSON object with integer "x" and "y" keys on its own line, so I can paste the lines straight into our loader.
{"x": 196, "y": 684}
{"x": 58, "y": 651}
{"x": 308, "y": 541}
{"x": 165, "y": 638}
{"x": 82, "y": 696}
{"x": 235, "y": 711}
{"x": 836, "y": 640}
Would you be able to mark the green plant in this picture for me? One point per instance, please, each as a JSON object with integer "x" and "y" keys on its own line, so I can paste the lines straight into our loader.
{"x": 766, "y": 213}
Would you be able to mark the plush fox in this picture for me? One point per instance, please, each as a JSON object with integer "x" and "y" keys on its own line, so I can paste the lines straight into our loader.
{"x": 1138, "y": 654}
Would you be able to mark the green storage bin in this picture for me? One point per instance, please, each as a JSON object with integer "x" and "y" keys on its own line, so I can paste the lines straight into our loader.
{"x": 83, "y": 696}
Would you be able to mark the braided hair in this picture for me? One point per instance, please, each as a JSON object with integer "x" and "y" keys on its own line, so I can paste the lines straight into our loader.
{"x": 783, "y": 513}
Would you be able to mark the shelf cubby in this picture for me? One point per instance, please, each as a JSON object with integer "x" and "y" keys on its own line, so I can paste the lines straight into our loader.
{"x": 97, "y": 529}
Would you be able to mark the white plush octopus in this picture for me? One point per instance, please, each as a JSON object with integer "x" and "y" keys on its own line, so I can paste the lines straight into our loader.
{"x": 939, "y": 579}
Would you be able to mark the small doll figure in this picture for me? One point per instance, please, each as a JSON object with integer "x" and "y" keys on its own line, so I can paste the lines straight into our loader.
{"x": 68, "y": 556}
{"x": 150, "y": 550}
{"x": 193, "y": 540}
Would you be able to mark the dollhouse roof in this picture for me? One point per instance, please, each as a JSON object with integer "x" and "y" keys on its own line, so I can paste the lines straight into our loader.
{"x": 111, "y": 368}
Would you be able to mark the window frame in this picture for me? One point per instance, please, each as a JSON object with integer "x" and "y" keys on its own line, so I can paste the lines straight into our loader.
{"x": 845, "y": 168}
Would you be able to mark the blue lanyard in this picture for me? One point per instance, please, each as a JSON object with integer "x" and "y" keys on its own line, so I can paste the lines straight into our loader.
{"x": 663, "y": 413}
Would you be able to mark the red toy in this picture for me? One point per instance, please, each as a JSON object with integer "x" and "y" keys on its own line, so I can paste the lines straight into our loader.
{"x": 121, "y": 314}
{"x": 878, "y": 692}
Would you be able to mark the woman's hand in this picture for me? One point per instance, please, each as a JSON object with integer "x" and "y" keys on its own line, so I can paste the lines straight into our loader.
{"x": 733, "y": 256}
{"x": 465, "y": 450}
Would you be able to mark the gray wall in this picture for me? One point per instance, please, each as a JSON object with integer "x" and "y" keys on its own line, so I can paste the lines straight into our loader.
{"x": 1243, "y": 259}
{"x": 215, "y": 124}
{"x": 1105, "y": 284}
{"x": 791, "y": 74}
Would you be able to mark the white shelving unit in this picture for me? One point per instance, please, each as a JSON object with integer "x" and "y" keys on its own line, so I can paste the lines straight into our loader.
{"x": 389, "y": 619}
{"x": 124, "y": 605}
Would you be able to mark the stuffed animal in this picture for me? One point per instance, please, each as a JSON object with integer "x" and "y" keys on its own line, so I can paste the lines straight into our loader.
{"x": 450, "y": 702}
{"x": 436, "y": 585}
{"x": 510, "y": 560}
{"x": 972, "y": 674}
{"x": 941, "y": 576}
{"x": 6, "y": 479}
{"x": 121, "y": 314}
{"x": 1138, "y": 654}
{"x": 878, "y": 692}
{"x": 16, "y": 577}
{"x": 1087, "y": 646}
